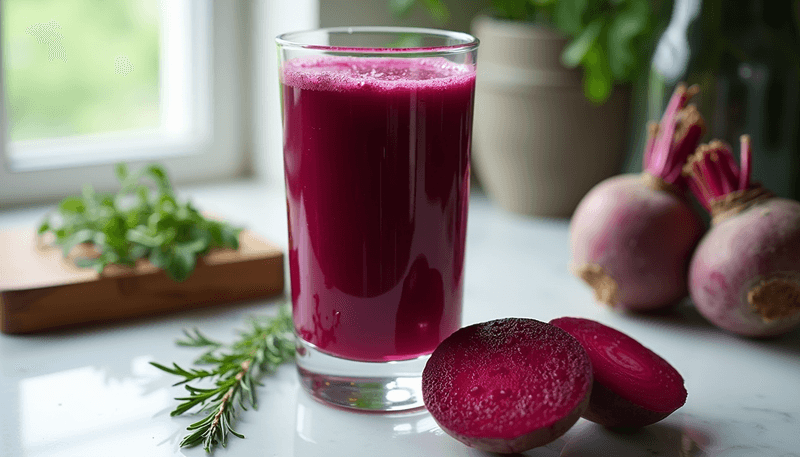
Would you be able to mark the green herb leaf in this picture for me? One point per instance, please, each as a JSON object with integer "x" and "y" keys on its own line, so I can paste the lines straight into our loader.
{"x": 438, "y": 11}
{"x": 597, "y": 75}
{"x": 71, "y": 205}
{"x": 623, "y": 31}
{"x": 515, "y": 10}
{"x": 79, "y": 237}
{"x": 401, "y": 8}
{"x": 159, "y": 175}
{"x": 138, "y": 223}
{"x": 568, "y": 15}
{"x": 230, "y": 235}
{"x": 121, "y": 171}
{"x": 140, "y": 236}
{"x": 183, "y": 262}
{"x": 197, "y": 339}
{"x": 84, "y": 262}
{"x": 159, "y": 258}
{"x": 576, "y": 50}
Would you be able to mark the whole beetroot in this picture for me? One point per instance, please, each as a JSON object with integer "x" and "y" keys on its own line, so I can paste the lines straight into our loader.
{"x": 632, "y": 235}
{"x": 745, "y": 274}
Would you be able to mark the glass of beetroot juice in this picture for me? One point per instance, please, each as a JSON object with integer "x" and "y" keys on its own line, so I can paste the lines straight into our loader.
{"x": 377, "y": 124}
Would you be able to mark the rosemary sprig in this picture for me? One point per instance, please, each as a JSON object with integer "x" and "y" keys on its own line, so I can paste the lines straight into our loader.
{"x": 235, "y": 371}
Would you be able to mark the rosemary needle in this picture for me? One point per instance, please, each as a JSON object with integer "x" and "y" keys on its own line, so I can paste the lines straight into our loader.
{"x": 234, "y": 371}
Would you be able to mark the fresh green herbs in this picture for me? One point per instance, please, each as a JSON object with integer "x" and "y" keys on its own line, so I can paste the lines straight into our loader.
{"x": 138, "y": 223}
{"x": 234, "y": 373}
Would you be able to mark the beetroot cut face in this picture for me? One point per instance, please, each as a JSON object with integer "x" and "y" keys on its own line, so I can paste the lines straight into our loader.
{"x": 633, "y": 386}
{"x": 507, "y": 385}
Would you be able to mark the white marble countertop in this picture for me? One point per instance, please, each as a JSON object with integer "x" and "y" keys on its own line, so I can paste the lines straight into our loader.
{"x": 91, "y": 392}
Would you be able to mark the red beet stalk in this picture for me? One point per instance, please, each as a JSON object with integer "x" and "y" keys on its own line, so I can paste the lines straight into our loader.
{"x": 714, "y": 172}
{"x": 671, "y": 142}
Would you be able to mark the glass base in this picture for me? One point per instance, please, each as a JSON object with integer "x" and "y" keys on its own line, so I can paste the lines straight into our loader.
{"x": 365, "y": 386}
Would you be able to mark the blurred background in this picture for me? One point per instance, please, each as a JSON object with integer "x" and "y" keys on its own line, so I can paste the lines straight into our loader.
{"x": 565, "y": 87}
{"x": 56, "y": 92}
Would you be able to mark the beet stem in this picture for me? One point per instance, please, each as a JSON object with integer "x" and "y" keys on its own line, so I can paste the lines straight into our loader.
{"x": 685, "y": 147}
{"x": 672, "y": 140}
{"x": 663, "y": 142}
{"x": 728, "y": 170}
{"x": 711, "y": 172}
{"x": 677, "y": 151}
{"x": 746, "y": 156}
{"x": 701, "y": 194}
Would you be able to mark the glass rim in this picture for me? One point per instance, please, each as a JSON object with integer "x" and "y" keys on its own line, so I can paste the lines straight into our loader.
{"x": 470, "y": 43}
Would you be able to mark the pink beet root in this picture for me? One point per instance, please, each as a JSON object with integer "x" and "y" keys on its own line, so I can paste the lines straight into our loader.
{"x": 744, "y": 276}
{"x": 632, "y": 243}
{"x": 507, "y": 385}
{"x": 631, "y": 236}
{"x": 633, "y": 386}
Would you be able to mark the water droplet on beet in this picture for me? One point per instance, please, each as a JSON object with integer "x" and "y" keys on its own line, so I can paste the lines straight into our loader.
{"x": 499, "y": 371}
{"x": 500, "y": 393}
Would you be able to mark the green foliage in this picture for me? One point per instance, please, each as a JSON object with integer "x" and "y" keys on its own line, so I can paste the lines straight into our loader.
{"x": 612, "y": 40}
{"x": 436, "y": 8}
{"x": 235, "y": 371}
{"x": 518, "y": 10}
{"x": 138, "y": 223}
{"x": 80, "y": 66}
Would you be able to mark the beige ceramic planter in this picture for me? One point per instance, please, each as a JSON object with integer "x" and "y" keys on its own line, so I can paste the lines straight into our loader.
{"x": 538, "y": 144}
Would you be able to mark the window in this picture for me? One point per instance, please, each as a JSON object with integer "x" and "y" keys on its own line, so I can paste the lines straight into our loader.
{"x": 93, "y": 88}
{"x": 89, "y": 83}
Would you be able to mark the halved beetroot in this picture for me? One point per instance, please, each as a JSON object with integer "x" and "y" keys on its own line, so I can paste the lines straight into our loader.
{"x": 633, "y": 386}
{"x": 507, "y": 385}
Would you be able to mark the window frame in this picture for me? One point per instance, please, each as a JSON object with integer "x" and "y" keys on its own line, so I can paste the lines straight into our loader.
{"x": 213, "y": 147}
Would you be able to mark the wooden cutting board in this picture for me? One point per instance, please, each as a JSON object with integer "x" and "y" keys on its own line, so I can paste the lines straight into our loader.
{"x": 40, "y": 290}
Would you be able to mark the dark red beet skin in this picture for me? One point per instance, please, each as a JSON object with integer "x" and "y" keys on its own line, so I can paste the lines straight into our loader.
{"x": 507, "y": 385}
{"x": 633, "y": 386}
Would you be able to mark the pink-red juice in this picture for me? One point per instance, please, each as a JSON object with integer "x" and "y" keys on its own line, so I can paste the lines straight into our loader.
{"x": 376, "y": 155}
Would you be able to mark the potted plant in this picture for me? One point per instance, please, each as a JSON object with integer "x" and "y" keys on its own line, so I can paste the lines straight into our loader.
{"x": 554, "y": 94}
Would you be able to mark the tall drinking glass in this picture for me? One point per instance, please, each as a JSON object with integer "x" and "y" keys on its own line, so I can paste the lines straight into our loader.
{"x": 377, "y": 124}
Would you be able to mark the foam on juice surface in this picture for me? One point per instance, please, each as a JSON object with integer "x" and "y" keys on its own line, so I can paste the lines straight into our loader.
{"x": 332, "y": 73}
